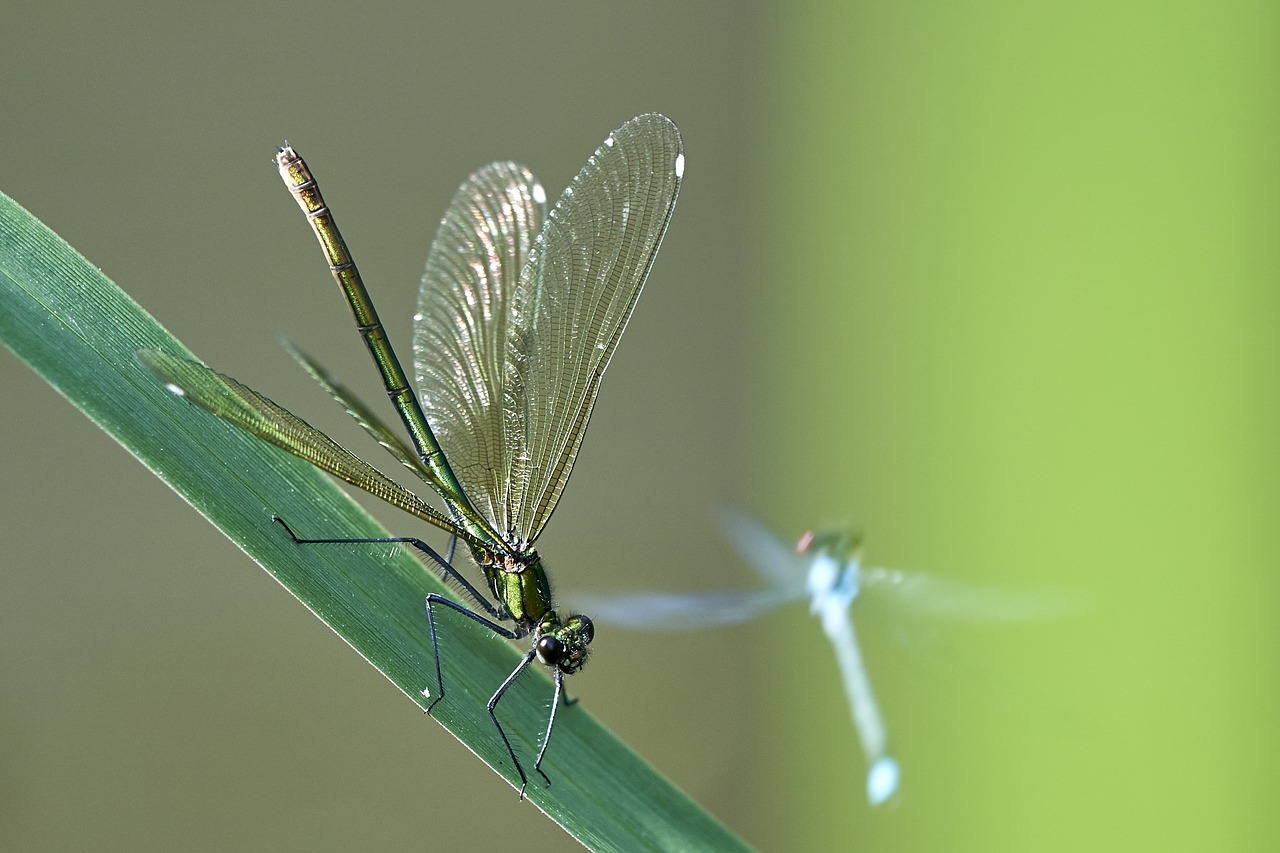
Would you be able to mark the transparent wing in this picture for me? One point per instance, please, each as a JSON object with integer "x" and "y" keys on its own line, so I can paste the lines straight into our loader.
{"x": 776, "y": 563}
{"x": 773, "y": 559}
{"x": 575, "y": 296}
{"x": 364, "y": 416}
{"x": 926, "y": 595}
{"x": 255, "y": 414}
{"x": 461, "y": 330}
{"x": 378, "y": 429}
{"x": 659, "y": 612}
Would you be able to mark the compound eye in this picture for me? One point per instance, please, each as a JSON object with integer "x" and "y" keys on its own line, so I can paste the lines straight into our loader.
{"x": 586, "y": 629}
{"x": 549, "y": 650}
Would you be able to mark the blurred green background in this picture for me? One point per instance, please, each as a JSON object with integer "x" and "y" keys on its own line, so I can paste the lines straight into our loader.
{"x": 994, "y": 282}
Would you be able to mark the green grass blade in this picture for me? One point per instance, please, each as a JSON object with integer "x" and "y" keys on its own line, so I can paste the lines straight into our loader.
{"x": 80, "y": 332}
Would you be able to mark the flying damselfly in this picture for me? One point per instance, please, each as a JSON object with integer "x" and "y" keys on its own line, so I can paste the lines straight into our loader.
{"x": 826, "y": 568}
{"x": 519, "y": 313}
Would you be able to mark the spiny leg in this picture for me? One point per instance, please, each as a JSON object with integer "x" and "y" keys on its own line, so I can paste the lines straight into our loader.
{"x": 502, "y": 631}
{"x": 448, "y": 571}
{"x": 493, "y": 704}
{"x": 435, "y": 598}
{"x": 551, "y": 721}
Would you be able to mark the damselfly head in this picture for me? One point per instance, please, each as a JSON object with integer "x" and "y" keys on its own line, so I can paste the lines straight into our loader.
{"x": 563, "y": 645}
{"x": 841, "y": 545}
{"x": 834, "y": 567}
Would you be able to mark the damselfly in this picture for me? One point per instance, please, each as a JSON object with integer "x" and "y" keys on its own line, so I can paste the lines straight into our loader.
{"x": 826, "y": 568}
{"x": 519, "y": 313}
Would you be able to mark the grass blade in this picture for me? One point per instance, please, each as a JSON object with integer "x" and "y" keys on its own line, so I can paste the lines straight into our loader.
{"x": 79, "y": 331}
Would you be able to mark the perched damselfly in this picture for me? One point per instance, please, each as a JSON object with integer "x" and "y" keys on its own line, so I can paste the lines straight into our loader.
{"x": 519, "y": 313}
{"x": 826, "y": 568}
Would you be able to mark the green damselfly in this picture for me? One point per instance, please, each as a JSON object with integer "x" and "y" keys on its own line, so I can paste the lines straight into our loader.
{"x": 519, "y": 313}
